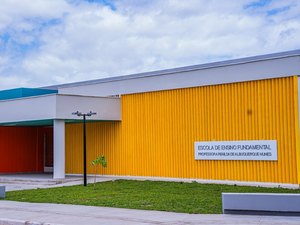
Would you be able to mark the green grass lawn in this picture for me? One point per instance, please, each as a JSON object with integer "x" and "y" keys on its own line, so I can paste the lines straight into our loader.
{"x": 150, "y": 195}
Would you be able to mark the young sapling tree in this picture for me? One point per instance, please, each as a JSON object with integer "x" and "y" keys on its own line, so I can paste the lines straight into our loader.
{"x": 100, "y": 160}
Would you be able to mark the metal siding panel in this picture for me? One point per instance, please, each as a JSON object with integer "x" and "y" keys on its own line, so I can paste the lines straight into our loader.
{"x": 102, "y": 138}
{"x": 158, "y": 130}
{"x": 296, "y": 116}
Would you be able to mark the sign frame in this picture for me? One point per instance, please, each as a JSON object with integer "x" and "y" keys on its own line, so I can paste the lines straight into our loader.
{"x": 252, "y": 150}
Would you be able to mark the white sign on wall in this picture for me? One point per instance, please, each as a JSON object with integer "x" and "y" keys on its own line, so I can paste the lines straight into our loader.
{"x": 236, "y": 150}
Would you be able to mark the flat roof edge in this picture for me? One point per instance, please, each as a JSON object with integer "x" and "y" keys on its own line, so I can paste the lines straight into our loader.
{"x": 57, "y": 94}
{"x": 231, "y": 62}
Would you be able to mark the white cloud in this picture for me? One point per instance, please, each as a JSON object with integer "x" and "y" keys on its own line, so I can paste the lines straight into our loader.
{"x": 89, "y": 41}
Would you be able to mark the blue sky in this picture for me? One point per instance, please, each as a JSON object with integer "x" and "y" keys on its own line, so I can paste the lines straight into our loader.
{"x": 59, "y": 41}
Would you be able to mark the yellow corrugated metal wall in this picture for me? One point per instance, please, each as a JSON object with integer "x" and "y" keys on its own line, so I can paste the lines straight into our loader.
{"x": 102, "y": 138}
{"x": 158, "y": 130}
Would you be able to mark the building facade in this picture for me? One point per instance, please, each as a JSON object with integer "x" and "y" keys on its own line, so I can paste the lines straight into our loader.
{"x": 152, "y": 124}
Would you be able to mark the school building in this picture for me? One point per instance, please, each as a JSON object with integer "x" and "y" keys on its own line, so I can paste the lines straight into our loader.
{"x": 235, "y": 120}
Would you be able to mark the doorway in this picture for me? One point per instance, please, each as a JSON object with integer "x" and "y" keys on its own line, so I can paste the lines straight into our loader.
{"x": 48, "y": 149}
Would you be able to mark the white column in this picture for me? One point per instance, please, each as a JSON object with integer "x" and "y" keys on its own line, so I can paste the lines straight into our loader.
{"x": 59, "y": 149}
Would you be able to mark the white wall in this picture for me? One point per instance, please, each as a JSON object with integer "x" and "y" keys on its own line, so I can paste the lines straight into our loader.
{"x": 164, "y": 80}
{"x": 106, "y": 108}
{"x": 57, "y": 106}
{"x": 28, "y": 109}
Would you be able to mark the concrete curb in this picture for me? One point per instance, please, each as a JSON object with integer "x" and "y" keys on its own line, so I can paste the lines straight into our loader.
{"x": 4, "y": 221}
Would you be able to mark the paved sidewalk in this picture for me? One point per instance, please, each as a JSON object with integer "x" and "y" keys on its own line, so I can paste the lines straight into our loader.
{"x": 42, "y": 213}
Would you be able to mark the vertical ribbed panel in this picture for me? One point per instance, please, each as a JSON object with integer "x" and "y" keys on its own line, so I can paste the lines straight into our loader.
{"x": 103, "y": 138}
{"x": 158, "y": 130}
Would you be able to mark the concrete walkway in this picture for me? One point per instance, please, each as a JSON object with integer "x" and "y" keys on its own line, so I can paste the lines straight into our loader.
{"x": 18, "y": 213}
{"x": 33, "y": 181}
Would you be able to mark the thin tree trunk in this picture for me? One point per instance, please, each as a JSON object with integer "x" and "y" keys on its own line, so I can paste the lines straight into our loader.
{"x": 95, "y": 177}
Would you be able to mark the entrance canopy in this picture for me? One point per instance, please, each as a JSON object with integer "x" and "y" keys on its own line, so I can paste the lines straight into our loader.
{"x": 43, "y": 109}
{"x": 25, "y": 108}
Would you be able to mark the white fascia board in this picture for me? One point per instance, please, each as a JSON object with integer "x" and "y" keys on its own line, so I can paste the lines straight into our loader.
{"x": 57, "y": 106}
{"x": 224, "y": 74}
{"x": 106, "y": 108}
{"x": 28, "y": 109}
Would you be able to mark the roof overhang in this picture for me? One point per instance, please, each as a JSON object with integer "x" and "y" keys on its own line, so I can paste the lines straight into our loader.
{"x": 269, "y": 66}
{"x": 58, "y": 106}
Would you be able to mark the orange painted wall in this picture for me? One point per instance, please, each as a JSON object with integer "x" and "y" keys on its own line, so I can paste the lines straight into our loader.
{"x": 21, "y": 149}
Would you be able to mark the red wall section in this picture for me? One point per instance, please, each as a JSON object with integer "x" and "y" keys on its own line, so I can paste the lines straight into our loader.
{"x": 21, "y": 149}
